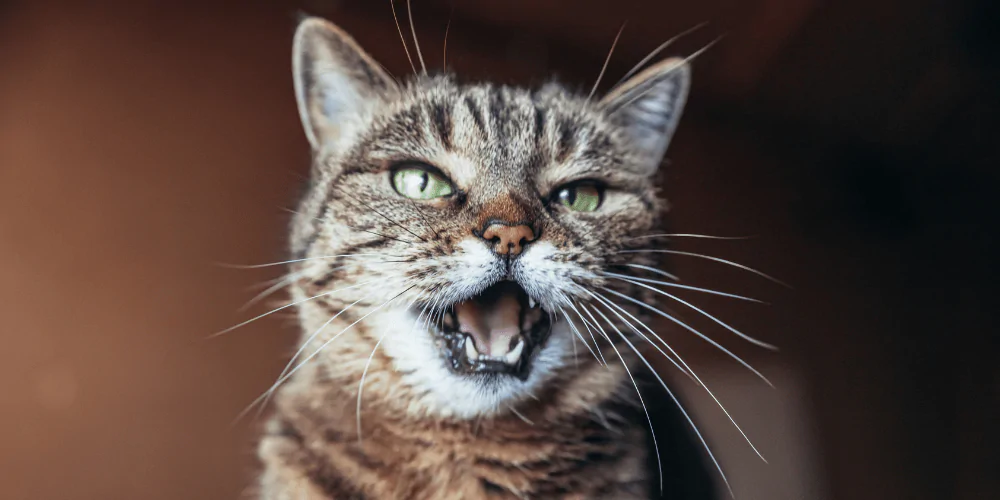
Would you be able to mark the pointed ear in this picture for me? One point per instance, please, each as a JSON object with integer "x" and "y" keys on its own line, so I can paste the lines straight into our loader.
{"x": 648, "y": 107}
{"x": 337, "y": 85}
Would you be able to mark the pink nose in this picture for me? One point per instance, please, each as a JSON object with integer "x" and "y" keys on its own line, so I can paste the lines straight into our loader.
{"x": 508, "y": 239}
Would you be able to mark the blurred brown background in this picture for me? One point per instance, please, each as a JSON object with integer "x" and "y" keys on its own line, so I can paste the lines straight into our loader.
{"x": 143, "y": 142}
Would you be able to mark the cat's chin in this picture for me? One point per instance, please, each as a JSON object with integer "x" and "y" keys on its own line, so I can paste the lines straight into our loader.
{"x": 493, "y": 335}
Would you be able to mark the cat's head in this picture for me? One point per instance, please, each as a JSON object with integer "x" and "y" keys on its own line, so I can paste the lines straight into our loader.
{"x": 467, "y": 227}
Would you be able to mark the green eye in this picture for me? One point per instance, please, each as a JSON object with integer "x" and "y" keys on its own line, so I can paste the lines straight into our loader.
{"x": 420, "y": 184}
{"x": 580, "y": 197}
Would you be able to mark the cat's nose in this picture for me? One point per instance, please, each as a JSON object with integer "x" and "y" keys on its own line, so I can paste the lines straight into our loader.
{"x": 506, "y": 239}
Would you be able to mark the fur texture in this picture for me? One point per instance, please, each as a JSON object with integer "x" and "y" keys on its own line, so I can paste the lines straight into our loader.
{"x": 369, "y": 407}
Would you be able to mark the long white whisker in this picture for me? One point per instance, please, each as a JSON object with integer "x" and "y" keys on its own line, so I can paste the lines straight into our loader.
{"x": 276, "y": 285}
{"x": 286, "y": 306}
{"x": 677, "y": 402}
{"x": 416, "y": 44}
{"x": 596, "y": 323}
{"x": 591, "y": 332}
{"x": 689, "y": 235}
{"x": 306, "y": 344}
{"x": 361, "y": 385}
{"x": 651, "y": 87}
{"x": 520, "y": 416}
{"x": 656, "y": 51}
{"x": 685, "y": 287}
{"x": 292, "y": 261}
{"x": 709, "y": 257}
{"x": 606, "y": 61}
{"x": 689, "y": 370}
{"x": 444, "y": 51}
{"x": 653, "y": 270}
{"x": 656, "y": 446}
{"x": 694, "y": 331}
{"x": 392, "y": 5}
{"x": 742, "y": 335}
{"x": 325, "y": 344}
{"x": 578, "y": 334}
{"x": 685, "y": 369}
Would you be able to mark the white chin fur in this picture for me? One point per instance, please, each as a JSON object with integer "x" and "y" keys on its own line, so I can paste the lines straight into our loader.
{"x": 444, "y": 393}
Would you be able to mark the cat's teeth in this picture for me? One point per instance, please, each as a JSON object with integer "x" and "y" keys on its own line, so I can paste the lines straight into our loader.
{"x": 515, "y": 354}
{"x": 531, "y": 302}
{"x": 470, "y": 349}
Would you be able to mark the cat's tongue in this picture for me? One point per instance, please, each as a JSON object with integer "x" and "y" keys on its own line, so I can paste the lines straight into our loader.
{"x": 492, "y": 322}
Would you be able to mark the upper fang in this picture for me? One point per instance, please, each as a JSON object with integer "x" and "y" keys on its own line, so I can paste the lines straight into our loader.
{"x": 531, "y": 302}
{"x": 515, "y": 354}
{"x": 470, "y": 349}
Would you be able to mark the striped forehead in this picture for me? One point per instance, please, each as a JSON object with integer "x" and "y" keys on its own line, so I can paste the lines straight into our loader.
{"x": 486, "y": 133}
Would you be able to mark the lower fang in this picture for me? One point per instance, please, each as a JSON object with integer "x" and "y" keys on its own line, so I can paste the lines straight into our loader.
{"x": 470, "y": 349}
{"x": 514, "y": 355}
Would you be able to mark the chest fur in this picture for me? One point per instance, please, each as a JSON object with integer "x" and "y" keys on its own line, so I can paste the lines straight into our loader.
{"x": 312, "y": 451}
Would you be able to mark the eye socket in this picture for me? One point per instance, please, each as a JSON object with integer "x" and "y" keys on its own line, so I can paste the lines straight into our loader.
{"x": 420, "y": 183}
{"x": 580, "y": 196}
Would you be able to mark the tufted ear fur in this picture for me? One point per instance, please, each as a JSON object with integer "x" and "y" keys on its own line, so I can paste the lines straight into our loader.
{"x": 337, "y": 85}
{"x": 648, "y": 107}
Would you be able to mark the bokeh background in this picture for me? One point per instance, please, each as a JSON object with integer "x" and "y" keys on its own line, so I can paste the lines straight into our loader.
{"x": 142, "y": 143}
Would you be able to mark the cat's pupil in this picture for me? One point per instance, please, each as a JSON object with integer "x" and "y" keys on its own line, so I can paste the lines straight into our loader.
{"x": 424, "y": 179}
{"x": 568, "y": 196}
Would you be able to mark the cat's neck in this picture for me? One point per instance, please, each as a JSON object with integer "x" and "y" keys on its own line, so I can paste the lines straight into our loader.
{"x": 534, "y": 449}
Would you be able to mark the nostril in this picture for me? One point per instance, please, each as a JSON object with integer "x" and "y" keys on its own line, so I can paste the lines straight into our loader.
{"x": 507, "y": 239}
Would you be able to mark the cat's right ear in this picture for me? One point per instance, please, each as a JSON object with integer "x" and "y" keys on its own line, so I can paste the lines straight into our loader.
{"x": 337, "y": 85}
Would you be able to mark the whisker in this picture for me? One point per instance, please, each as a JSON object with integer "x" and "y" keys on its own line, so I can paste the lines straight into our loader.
{"x": 315, "y": 353}
{"x": 424, "y": 217}
{"x": 522, "y": 417}
{"x": 685, "y": 370}
{"x": 297, "y": 302}
{"x": 416, "y": 44}
{"x": 380, "y": 234}
{"x": 693, "y": 374}
{"x": 624, "y": 277}
{"x": 657, "y": 50}
{"x": 653, "y": 270}
{"x": 361, "y": 385}
{"x": 578, "y": 334}
{"x": 677, "y": 402}
{"x": 591, "y": 332}
{"x": 694, "y": 331}
{"x": 652, "y": 433}
{"x": 369, "y": 207}
{"x": 305, "y": 259}
{"x": 690, "y": 235}
{"x": 651, "y": 87}
{"x": 709, "y": 257}
{"x": 742, "y": 335}
{"x": 392, "y": 5}
{"x": 444, "y": 51}
{"x": 306, "y": 343}
{"x": 606, "y": 61}
{"x": 596, "y": 324}
{"x": 277, "y": 284}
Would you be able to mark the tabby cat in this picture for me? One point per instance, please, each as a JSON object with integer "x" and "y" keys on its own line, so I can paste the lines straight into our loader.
{"x": 468, "y": 271}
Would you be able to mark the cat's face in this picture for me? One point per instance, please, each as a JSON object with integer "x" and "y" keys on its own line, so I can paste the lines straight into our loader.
{"x": 469, "y": 222}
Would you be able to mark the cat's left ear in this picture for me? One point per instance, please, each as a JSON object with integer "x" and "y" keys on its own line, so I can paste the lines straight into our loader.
{"x": 337, "y": 85}
{"x": 648, "y": 107}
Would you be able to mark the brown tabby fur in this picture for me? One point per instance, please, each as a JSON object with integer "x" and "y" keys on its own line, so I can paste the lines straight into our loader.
{"x": 574, "y": 428}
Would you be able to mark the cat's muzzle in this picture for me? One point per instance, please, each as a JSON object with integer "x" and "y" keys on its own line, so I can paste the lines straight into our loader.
{"x": 496, "y": 331}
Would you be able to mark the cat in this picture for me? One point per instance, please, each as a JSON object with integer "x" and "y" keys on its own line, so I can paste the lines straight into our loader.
{"x": 465, "y": 267}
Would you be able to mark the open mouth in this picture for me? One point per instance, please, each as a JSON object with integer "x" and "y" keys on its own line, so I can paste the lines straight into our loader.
{"x": 496, "y": 332}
